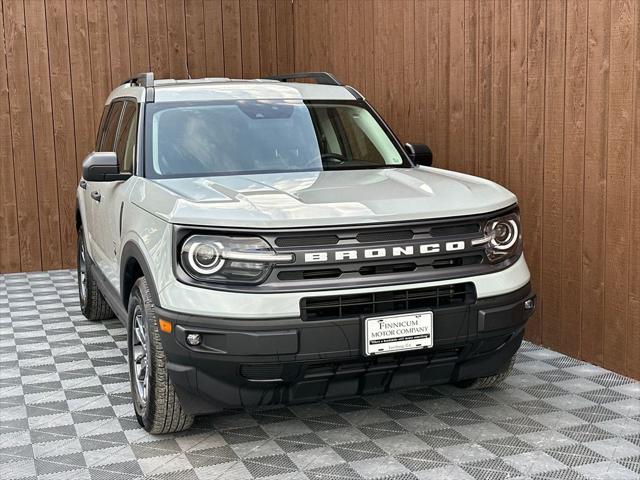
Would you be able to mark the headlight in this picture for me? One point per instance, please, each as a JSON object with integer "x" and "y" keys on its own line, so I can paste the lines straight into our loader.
{"x": 228, "y": 259}
{"x": 502, "y": 237}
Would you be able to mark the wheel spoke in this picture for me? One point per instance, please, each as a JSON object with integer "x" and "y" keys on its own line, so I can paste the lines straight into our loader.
{"x": 141, "y": 333}
{"x": 145, "y": 385}
{"x": 141, "y": 360}
{"x": 141, "y": 339}
{"x": 82, "y": 268}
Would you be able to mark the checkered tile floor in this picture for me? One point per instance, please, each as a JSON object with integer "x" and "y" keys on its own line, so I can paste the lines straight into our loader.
{"x": 65, "y": 413}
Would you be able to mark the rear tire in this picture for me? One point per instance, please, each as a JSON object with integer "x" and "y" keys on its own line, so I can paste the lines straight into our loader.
{"x": 487, "y": 382}
{"x": 92, "y": 302}
{"x": 157, "y": 406}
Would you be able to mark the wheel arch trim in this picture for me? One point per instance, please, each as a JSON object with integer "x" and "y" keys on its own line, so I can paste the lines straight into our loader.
{"x": 131, "y": 251}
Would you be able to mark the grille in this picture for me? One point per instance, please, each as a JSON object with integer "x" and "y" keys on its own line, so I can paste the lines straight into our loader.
{"x": 262, "y": 372}
{"x": 333, "y": 273}
{"x": 396, "y": 301}
{"x": 346, "y": 271}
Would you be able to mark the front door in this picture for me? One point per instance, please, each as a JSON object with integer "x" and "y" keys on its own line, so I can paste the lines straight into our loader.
{"x": 115, "y": 195}
{"x": 96, "y": 213}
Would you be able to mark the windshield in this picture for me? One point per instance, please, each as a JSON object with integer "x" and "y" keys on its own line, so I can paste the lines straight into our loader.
{"x": 256, "y": 136}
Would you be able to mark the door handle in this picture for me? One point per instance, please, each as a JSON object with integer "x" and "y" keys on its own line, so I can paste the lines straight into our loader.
{"x": 96, "y": 196}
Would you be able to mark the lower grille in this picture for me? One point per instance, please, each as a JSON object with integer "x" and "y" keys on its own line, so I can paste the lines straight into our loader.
{"x": 395, "y": 301}
{"x": 262, "y": 372}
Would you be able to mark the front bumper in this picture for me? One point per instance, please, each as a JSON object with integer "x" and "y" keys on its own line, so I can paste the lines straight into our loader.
{"x": 283, "y": 361}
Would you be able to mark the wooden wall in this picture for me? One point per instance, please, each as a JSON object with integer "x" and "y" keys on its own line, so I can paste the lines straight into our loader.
{"x": 541, "y": 96}
{"x": 59, "y": 61}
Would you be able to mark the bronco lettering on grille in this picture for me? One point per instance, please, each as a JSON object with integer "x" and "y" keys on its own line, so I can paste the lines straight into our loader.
{"x": 354, "y": 254}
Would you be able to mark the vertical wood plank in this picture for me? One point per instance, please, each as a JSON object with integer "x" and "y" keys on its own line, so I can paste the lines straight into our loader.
{"x": 369, "y": 42}
{"x": 470, "y": 160}
{"x": 318, "y": 51}
{"x": 118, "y": 41}
{"x": 337, "y": 59}
{"x": 418, "y": 83}
{"x": 531, "y": 200}
{"x": 213, "y": 38}
{"x": 100, "y": 56}
{"x": 232, "y": 38}
{"x": 518, "y": 100}
{"x": 83, "y": 107}
{"x": 444, "y": 85}
{"x": 356, "y": 41}
{"x": 619, "y": 137}
{"x": 595, "y": 168}
{"x": 300, "y": 34}
{"x": 485, "y": 91}
{"x": 500, "y": 93}
{"x": 177, "y": 39}
{"x": 389, "y": 57}
{"x": 553, "y": 170}
{"x": 158, "y": 38}
{"x": 43, "y": 143}
{"x": 138, "y": 36}
{"x": 457, "y": 87}
{"x": 285, "y": 36}
{"x": 250, "y": 51}
{"x": 633, "y": 337}
{"x": 9, "y": 236}
{"x": 268, "y": 43}
{"x": 573, "y": 176}
{"x": 196, "y": 43}
{"x": 63, "y": 126}
{"x": 410, "y": 129}
{"x": 432, "y": 46}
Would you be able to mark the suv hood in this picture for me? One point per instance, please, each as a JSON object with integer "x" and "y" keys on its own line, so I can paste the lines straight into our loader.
{"x": 300, "y": 199}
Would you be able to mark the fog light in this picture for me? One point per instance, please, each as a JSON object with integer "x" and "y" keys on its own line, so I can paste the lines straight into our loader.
{"x": 529, "y": 304}
{"x": 194, "y": 339}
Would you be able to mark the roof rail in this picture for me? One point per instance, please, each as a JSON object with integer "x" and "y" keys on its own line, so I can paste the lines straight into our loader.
{"x": 143, "y": 80}
{"x": 322, "y": 78}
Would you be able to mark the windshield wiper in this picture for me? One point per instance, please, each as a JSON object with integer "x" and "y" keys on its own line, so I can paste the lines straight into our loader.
{"x": 351, "y": 164}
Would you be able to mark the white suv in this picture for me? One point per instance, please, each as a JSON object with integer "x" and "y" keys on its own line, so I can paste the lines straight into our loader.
{"x": 269, "y": 242}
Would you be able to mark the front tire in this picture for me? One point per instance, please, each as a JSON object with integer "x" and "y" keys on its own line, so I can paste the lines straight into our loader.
{"x": 92, "y": 303}
{"x": 157, "y": 406}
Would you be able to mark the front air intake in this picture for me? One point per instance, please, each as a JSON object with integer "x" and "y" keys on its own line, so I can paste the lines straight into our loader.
{"x": 396, "y": 301}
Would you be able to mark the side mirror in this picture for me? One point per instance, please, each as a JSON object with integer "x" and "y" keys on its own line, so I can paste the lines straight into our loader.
{"x": 102, "y": 167}
{"x": 419, "y": 153}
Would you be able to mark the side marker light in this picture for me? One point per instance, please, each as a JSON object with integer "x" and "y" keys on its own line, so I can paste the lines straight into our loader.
{"x": 165, "y": 326}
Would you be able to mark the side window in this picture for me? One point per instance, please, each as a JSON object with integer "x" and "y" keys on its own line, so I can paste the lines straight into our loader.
{"x": 126, "y": 141}
{"x": 103, "y": 121}
{"x": 106, "y": 143}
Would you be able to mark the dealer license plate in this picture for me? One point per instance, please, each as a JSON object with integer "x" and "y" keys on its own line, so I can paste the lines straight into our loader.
{"x": 398, "y": 333}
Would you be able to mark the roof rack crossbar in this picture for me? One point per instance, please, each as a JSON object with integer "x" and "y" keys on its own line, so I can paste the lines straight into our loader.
{"x": 322, "y": 78}
{"x": 141, "y": 79}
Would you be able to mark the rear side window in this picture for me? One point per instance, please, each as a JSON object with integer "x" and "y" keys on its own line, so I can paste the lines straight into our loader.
{"x": 126, "y": 141}
{"x": 107, "y": 142}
